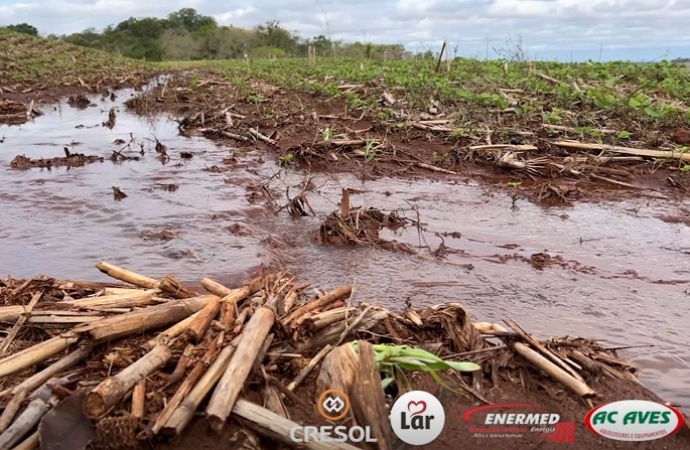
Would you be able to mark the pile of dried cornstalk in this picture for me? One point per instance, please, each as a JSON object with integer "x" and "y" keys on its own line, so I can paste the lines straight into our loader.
{"x": 106, "y": 368}
{"x": 15, "y": 113}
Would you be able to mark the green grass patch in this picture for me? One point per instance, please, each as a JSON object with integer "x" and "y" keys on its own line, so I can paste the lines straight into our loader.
{"x": 32, "y": 62}
{"x": 574, "y": 94}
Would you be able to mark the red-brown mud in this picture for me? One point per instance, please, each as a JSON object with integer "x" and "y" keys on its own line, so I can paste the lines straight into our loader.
{"x": 322, "y": 134}
{"x": 51, "y": 95}
{"x": 41, "y": 92}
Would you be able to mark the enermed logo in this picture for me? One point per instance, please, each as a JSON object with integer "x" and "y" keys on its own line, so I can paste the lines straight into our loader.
{"x": 333, "y": 405}
{"x": 634, "y": 420}
{"x": 516, "y": 420}
{"x": 417, "y": 418}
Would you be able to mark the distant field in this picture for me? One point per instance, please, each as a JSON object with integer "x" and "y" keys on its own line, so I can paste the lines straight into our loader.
{"x": 28, "y": 62}
{"x": 616, "y": 94}
{"x": 568, "y": 94}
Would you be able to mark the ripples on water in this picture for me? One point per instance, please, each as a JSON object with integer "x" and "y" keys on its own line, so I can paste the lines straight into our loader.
{"x": 60, "y": 222}
{"x": 620, "y": 311}
{"x": 65, "y": 220}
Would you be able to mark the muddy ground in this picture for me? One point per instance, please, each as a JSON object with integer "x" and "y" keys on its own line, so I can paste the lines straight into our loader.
{"x": 542, "y": 163}
{"x": 528, "y": 160}
{"x": 190, "y": 206}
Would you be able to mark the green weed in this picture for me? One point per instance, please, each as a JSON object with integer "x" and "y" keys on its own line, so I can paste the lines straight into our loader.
{"x": 394, "y": 360}
{"x": 655, "y": 93}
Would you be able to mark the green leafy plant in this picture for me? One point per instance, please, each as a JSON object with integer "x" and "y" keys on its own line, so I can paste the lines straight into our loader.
{"x": 394, "y": 360}
{"x": 553, "y": 117}
{"x": 370, "y": 151}
{"x": 640, "y": 101}
{"x": 286, "y": 159}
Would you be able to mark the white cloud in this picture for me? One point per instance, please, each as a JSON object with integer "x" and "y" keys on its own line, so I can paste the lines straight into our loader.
{"x": 414, "y": 6}
{"x": 637, "y": 29}
{"x": 236, "y": 14}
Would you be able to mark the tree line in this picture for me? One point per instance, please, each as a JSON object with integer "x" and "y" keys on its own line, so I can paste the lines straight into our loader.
{"x": 186, "y": 35}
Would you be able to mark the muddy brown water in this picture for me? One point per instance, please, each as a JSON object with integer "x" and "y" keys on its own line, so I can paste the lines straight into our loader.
{"x": 60, "y": 222}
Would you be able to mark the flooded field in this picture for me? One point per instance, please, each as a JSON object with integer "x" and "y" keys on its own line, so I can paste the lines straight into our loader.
{"x": 615, "y": 272}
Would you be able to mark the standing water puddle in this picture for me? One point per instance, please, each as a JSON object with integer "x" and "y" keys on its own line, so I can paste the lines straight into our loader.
{"x": 629, "y": 286}
{"x": 61, "y": 221}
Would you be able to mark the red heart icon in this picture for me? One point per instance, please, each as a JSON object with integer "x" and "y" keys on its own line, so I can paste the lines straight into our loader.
{"x": 416, "y": 407}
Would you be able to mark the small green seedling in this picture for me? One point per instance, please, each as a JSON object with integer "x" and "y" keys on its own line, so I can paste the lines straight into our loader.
{"x": 515, "y": 195}
{"x": 369, "y": 151}
{"x": 393, "y": 360}
{"x": 286, "y": 159}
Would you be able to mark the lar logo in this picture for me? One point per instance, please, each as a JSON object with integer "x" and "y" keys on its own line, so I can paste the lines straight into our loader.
{"x": 333, "y": 405}
{"x": 417, "y": 418}
{"x": 634, "y": 420}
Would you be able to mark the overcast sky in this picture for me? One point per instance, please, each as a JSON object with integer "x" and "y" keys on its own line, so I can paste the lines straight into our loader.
{"x": 550, "y": 29}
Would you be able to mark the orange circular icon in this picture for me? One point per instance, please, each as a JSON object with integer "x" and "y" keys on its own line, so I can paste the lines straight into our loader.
{"x": 333, "y": 404}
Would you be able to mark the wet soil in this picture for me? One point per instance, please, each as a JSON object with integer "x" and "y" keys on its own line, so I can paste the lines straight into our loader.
{"x": 327, "y": 134}
{"x": 99, "y": 84}
{"x": 610, "y": 271}
{"x": 46, "y": 96}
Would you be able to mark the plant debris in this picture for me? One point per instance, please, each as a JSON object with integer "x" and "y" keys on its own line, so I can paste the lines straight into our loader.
{"x": 118, "y": 194}
{"x": 357, "y": 226}
{"x": 15, "y": 113}
{"x": 97, "y": 330}
{"x": 22, "y": 162}
{"x": 79, "y": 101}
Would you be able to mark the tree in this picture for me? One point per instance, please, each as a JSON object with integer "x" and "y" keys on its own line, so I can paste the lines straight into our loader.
{"x": 231, "y": 42}
{"x": 190, "y": 20}
{"x": 87, "y": 38}
{"x": 322, "y": 45}
{"x": 271, "y": 34}
{"x": 23, "y": 28}
{"x": 187, "y": 35}
{"x": 137, "y": 38}
{"x": 179, "y": 45}
{"x": 142, "y": 28}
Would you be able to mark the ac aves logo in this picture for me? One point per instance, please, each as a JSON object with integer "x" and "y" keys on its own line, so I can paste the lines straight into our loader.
{"x": 634, "y": 420}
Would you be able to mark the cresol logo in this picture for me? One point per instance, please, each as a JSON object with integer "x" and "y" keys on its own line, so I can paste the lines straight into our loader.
{"x": 634, "y": 420}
